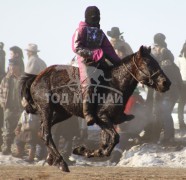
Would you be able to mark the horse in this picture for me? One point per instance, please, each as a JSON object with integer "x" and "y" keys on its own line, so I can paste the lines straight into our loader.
{"x": 49, "y": 95}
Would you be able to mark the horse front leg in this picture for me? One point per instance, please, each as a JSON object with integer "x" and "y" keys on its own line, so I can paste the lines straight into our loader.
{"x": 109, "y": 136}
{"x": 54, "y": 157}
{"x": 109, "y": 139}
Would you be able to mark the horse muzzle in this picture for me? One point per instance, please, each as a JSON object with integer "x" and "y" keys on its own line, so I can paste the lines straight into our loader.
{"x": 164, "y": 85}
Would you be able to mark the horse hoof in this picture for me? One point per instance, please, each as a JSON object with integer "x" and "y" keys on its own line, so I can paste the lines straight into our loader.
{"x": 80, "y": 150}
{"x": 98, "y": 153}
{"x": 50, "y": 160}
{"x": 87, "y": 155}
{"x": 64, "y": 167}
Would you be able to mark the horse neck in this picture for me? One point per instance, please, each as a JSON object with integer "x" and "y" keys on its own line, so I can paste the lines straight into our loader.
{"x": 122, "y": 78}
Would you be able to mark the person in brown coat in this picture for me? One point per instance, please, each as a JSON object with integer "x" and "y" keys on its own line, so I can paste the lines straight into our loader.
{"x": 121, "y": 47}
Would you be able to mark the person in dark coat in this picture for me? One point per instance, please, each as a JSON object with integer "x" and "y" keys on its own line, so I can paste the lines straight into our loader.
{"x": 163, "y": 103}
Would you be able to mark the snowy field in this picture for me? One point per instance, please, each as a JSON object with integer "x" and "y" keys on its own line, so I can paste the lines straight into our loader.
{"x": 145, "y": 155}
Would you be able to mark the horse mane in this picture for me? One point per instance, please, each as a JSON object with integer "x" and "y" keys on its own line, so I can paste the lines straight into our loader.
{"x": 126, "y": 59}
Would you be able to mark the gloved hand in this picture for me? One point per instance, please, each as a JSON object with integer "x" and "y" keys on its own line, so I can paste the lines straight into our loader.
{"x": 116, "y": 63}
{"x": 103, "y": 64}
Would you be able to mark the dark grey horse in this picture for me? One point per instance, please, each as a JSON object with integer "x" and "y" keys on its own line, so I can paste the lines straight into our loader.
{"x": 49, "y": 93}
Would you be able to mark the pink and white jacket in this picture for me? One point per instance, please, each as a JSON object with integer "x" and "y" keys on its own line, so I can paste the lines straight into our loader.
{"x": 91, "y": 43}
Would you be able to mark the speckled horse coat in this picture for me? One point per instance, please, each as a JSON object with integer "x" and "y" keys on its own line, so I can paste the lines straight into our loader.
{"x": 53, "y": 91}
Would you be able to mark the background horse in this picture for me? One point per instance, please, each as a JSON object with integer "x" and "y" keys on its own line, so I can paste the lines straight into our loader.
{"x": 49, "y": 94}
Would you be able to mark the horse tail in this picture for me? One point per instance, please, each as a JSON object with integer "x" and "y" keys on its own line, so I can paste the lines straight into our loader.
{"x": 26, "y": 97}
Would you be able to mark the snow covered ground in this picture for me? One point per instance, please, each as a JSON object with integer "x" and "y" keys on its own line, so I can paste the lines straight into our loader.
{"x": 145, "y": 155}
{"x": 149, "y": 155}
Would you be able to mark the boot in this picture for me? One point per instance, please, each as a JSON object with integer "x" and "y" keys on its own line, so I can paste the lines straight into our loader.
{"x": 6, "y": 151}
{"x": 6, "y": 148}
{"x": 19, "y": 152}
{"x": 88, "y": 107}
{"x": 31, "y": 155}
{"x": 123, "y": 118}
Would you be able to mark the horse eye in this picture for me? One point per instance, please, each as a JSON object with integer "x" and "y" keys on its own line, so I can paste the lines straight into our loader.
{"x": 146, "y": 63}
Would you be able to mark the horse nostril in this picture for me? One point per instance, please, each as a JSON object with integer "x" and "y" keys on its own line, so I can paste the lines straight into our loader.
{"x": 166, "y": 83}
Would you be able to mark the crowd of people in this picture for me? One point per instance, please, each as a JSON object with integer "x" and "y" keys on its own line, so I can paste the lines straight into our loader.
{"x": 17, "y": 126}
{"x": 21, "y": 129}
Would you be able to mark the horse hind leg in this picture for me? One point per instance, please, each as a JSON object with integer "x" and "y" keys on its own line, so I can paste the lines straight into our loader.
{"x": 54, "y": 157}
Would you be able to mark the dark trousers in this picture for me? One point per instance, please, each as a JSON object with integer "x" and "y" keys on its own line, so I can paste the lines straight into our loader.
{"x": 9, "y": 124}
{"x": 162, "y": 113}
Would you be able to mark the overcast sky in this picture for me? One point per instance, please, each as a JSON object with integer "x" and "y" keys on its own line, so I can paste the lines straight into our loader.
{"x": 51, "y": 23}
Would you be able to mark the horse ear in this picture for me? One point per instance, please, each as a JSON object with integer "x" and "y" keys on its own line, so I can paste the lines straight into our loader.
{"x": 149, "y": 49}
{"x": 140, "y": 52}
{"x": 141, "y": 48}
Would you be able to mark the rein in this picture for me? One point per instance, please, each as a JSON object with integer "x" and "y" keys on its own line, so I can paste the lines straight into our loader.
{"x": 151, "y": 82}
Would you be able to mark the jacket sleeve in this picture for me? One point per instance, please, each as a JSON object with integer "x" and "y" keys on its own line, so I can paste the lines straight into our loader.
{"x": 78, "y": 46}
{"x": 30, "y": 67}
{"x": 109, "y": 51}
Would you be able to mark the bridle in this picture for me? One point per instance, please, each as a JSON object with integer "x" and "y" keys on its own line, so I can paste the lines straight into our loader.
{"x": 149, "y": 76}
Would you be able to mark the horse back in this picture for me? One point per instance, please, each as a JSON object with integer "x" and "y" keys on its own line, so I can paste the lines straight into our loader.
{"x": 59, "y": 74}
{"x": 60, "y": 85}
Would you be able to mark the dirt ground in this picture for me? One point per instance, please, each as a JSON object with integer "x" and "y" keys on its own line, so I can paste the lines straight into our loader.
{"x": 88, "y": 173}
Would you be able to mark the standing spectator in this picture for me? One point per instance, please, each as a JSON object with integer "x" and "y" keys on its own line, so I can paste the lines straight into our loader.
{"x": 181, "y": 62}
{"x": 160, "y": 46}
{"x": 27, "y": 131}
{"x": 152, "y": 131}
{"x": 121, "y": 47}
{"x": 17, "y": 53}
{"x": 163, "y": 103}
{"x": 35, "y": 65}
{"x": 2, "y": 74}
{"x": 10, "y": 102}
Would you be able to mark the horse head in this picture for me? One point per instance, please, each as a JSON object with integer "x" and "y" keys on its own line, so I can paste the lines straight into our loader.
{"x": 148, "y": 72}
